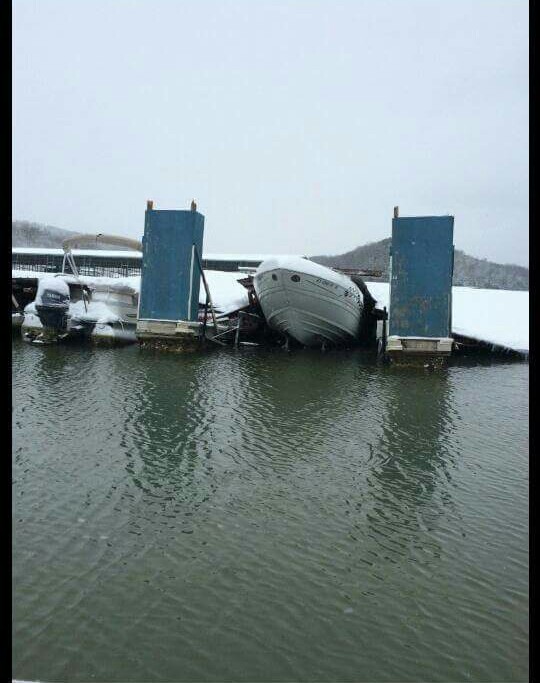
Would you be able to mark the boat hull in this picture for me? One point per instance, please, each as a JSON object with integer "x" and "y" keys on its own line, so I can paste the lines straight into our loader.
{"x": 315, "y": 308}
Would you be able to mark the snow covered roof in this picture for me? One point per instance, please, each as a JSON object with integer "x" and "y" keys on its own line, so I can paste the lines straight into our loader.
{"x": 132, "y": 282}
{"x": 137, "y": 254}
{"x": 77, "y": 252}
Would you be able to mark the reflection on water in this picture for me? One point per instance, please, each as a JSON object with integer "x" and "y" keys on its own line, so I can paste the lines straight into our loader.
{"x": 262, "y": 515}
{"x": 415, "y": 449}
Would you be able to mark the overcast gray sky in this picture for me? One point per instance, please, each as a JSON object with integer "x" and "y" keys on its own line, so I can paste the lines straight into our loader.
{"x": 296, "y": 125}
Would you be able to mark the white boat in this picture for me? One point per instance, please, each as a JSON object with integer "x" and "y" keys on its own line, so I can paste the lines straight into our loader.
{"x": 111, "y": 311}
{"x": 99, "y": 308}
{"x": 315, "y": 305}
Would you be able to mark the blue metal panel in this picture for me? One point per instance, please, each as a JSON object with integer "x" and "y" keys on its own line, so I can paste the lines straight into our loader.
{"x": 170, "y": 277}
{"x": 421, "y": 276}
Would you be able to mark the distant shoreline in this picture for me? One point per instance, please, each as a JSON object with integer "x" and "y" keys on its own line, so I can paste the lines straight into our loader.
{"x": 469, "y": 271}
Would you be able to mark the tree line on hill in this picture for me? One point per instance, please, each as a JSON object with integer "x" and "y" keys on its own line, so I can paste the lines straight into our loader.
{"x": 468, "y": 270}
{"x": 28, "y": 234}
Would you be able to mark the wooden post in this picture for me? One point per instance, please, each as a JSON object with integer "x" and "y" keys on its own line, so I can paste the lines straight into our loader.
{"x": 384, "y": 329}
{"x": 237, "y": 335}
{"x": 205, "y": 314}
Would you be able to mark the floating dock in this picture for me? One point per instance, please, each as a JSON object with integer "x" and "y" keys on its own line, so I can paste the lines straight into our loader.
{"x": 493, "y": 318}
{"x": 490, "y": 317}
{"x": 417, "y": 314}
{"x": 421, "y": 270}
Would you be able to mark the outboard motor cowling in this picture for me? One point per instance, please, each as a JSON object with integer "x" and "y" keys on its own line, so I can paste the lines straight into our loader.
{"x": 52, "y": 304}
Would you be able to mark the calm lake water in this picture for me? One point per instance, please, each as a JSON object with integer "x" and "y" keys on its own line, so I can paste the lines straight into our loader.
{"x": 267, "y": 516}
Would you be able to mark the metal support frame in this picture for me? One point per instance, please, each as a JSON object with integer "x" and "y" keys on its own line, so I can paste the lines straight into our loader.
{"x": 206, "y": 287}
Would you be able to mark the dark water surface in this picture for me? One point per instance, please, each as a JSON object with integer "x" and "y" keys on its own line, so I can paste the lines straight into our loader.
{"x": 265, "y": 516}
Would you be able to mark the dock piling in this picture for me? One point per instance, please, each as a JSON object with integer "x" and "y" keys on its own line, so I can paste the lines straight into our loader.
{"x": 421, "y": 269}
{"x": 170, "y": 282}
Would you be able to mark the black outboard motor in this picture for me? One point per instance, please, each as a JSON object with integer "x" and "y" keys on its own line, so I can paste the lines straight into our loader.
{"x": 52, "y": 304}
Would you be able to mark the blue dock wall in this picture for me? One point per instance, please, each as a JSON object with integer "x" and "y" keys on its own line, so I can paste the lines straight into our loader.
{"x": 170, "y": 276}
{"x": 422, "y": 266}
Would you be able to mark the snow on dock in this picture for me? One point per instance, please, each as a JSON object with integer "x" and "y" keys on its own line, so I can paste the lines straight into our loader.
{"x": 228, "y": 295}
{"x": 492, "y": 316}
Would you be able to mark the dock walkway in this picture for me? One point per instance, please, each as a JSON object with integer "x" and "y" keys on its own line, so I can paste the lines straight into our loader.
{"x": 492, "y": 316}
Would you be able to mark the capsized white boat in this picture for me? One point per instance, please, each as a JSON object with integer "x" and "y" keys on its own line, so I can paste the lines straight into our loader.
{"x": 111, "y": 311}
{"x": 315, "y": 305}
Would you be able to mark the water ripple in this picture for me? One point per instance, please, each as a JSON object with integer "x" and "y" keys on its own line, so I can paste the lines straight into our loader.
{"x": 267, "y": 516}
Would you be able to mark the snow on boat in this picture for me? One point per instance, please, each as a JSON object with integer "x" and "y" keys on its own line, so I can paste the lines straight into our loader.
{"x": 47, "y": 319}
{"x": 99, "y": 310}
{"x": 315, "y": 305}
{"x": 112, "y": 303}
{"x": 111, "y": 312}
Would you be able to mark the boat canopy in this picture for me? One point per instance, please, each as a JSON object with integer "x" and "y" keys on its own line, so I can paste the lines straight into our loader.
{"x": 100, "y": 238}
{"x": 75, "y": 241}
